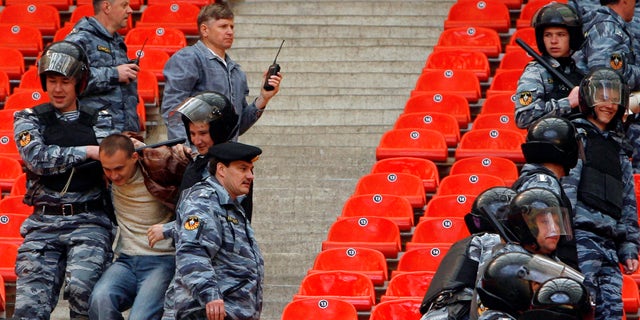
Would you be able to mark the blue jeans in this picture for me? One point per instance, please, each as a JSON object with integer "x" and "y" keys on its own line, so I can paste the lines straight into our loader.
{"x": 136, "y": 282}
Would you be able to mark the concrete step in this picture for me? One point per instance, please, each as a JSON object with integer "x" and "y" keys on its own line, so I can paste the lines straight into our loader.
{"x": 357, "y": 116}
{"x": 343, "y": 20}
{"x": 341, "y": 8}
{"x": 412, "y": 67}
{"x": 345, "y": 80}
{"x": 283, "y": 31}
{"x": 337, "y": 53}
{"x": 286, "y": 100}
{"x": 273, "y": 42}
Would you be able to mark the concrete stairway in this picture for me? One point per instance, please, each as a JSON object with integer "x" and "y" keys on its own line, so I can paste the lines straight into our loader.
{"x": 349, "y": 67}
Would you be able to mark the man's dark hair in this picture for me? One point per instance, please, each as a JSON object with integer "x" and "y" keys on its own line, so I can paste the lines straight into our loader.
{"x": 111, "y": 144}
{"x": 215, "y": 11}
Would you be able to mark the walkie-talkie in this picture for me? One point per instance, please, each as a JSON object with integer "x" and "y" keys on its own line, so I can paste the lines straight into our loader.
{"x": 273, "y": 70}
{"x": 140, "y": 53}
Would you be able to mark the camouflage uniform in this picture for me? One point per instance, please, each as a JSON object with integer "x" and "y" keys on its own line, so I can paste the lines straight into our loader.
{"x": 602, "y": 240}
{"x": 217, "y": 256}
{"x": 195, "y": 69}
{"x": 495, "y": 315}
{"x": 539, "y": 94}
{"x": 72, "y": 249}
{"x": 105, "y": 52}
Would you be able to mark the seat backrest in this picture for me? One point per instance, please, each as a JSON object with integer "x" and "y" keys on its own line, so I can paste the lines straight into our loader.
{"x": 8, "y": 147}
{"x": 422, "y": 259}
{"x": 364, "y": 229}
{"x": 151, "y": 60}
{"x": 468, "y": 183}
{"x": 26, "y": 99}
{"x": 400, "y": 184}
{"x": 176, "y": 15}
{"x": 420, "y": 143}
{"x": 439, "y": 230}
{"x": 423, "y": 168}
{"x": 27, "y": 39}
{"x": 44, "y": 17}
{"x": 351, "y": 259}
{"x": 342, "y": 284}
{"x": 462, "y": 82}
{"x": 397, "y": 309}
{"x": 499, "y": 103}
{"x": 62, "y": 32}
{"x": 451, "y": 205}
{"x": 5, "y": 85}
{"x": 504, "y": 82}
{"x": 497, "y": 121}
{"x": 19, "y": 187}
{"x": 396, "y": 208}
{"x": 460, "y": 60}
{"x": 630, "y": 296}
{"x": 319, "y": 308}
{"x": 148, "y": 86}
{"x": 10, "y": 225}
{"x": 491, "y": 142}
{"x": 528, "y": 35}
{"x": 12, "y": 62}
{"x": 62, "y": 5}
{"x": 8, "y": 254}
{"x": 14, "y": 204}
{"x": 6, "y": 119}
{"x": 405, "y": 285}
{"x": 481, "y": 39}
{"x": 514, "y": 60}
{"x": 479, "y": 13}
{"x": 449, "y": 103}
{"x": 11, "y": 168}
{"x": 445, "y": 123}
{"x": 530, "y": 9}
{"x": 199, "y": 3}
{"x": 500, "y": 167}
{"x": 29, "y": 81}
{"x": 169, "y": 40}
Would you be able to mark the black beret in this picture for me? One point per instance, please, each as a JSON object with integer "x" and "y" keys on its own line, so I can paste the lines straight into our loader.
{"x": 233, "y": 151}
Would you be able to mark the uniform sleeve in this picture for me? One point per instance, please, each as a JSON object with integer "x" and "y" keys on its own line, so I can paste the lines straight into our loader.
{"x": 628, "y": 224}
{"x": 198, "y": 241}
{"x": 181, "y": 73}
{"x": 102, "y": 79}
{"x": 250, "y": 113}
{"x": 38, "y": 157}
{"x": 530, "y": 98}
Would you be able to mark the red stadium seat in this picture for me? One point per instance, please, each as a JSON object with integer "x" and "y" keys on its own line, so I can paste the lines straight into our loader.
{"x": 134, "y": 4}
{"x": 148, "y": 87}
{"x": 445, "y": 123}
{"x": 504, "y": 82}
{"x": 3, "y": 296}
{"x": 151, "y": 60}
{"x": 176, "y": 15}
{"x": 499, "y": 103}
{"x": 10, "y": 227}
{"x": 8, "y": 147}
{"x": 453, "y": 104}
{"x": 397, "y": 309}
{"x": 528, "y": 35}
{"x": 530, "y": 9}
{"x": 26, "y": 99}
{"x": 44, "y": 17}
{"x": 6, "y": 119}
{"x": 62, "y": 5}
{"x": 8, "y": 253}
{"x": 12, "y": 62}
{"x": 5, "y": 85}
{"x": 367, "y": 232}
{"x": 448, "y": 206}
{"x": 199, "y": 3}
{"x": 437, "y": 231}
{"x": 497, "y": 121}
{"x": 514, "y": 60}
{"x": 481, "y": 39}
{"x": 141, "y": 109}
{"x": 512, "y": 4}
{"x": 499, "y": 167}
{"x": 411, "y": 285}
{"x": 86, "y": 10}
{"x": 19, "y": 188}
{"x": 460, "y": 60}
{"x": 29, "y": 81}
{"x": 14, "y": 204}
{"x": 481, "y": 13}
{"x": 630, "y": 296}
{"x": 27, "y": 39}
{"x": 169, "y": 40}
{"x": 400, "y": 184}
{"x": 419, "y": 143}
{"x": 423, "y": 168}
{"x": 353, "y": 287}
{"x": 319, "y": 308}
{"x": 371, "y": 262}
{"x": 395, "y": 208}
{"x": 491, "y": 142}
{"x": 460, "y": 82}
{"x": 62, "y": 33}
{"x": 468, "y": 183}
{"x": 11, "y": 169}
{"x": 422, "y": 259}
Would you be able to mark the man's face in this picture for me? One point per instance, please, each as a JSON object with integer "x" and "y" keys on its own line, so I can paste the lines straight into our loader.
{"x": 556, "y": 41}
{"x": 118, "y": 13}
{"x": 119, "y": 167}
{"x": 548, "y": 233}
{"x": 218, "y": 34}
{"x": 62, "y": 92}
{"x": 236, "y": 178}
{"x": 200, "y": 136}
{"x": 606, "y": 106}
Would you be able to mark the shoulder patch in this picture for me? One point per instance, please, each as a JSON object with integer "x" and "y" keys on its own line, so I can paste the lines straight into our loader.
{"x": 24, "y": 138}
{"x": 525, "y": 98}
{"x": 103, "y": 49}
{"x": 616, "y": 61}
{"x": 542, "y": 177}
{"x": 192, "y": 223}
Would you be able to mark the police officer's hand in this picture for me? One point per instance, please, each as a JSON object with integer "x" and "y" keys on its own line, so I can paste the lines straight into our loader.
{"x": 127, "y": 72}
{"x": 155, "y": 234}
{"x": 274, "y": 81}
{"x": 573, "y": 97}
{"x": 630, "y": 266}
{"x": 215, "y": 310}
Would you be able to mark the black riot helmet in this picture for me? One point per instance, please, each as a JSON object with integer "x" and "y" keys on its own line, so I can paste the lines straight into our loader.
{"x": 212, "y": 108}
{"x": 493, "y": 201}
{"x": 560, "y": 298}
{"x": 603, "y": 85}
{"x": 65, "y": 58}
{"x": 552, "y": 140}
{"x": 558, "y": 15}
{"x": 534, "y": 211}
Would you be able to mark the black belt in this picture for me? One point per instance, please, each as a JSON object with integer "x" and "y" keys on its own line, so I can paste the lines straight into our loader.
{"x": 68, "y": 209}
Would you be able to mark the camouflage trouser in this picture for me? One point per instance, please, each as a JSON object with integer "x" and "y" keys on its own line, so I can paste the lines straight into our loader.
{"x": 599, "y": 263}
{"x": 66, "y": 253}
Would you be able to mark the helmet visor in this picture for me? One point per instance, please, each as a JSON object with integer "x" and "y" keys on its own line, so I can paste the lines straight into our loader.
{"x": 542, "y": 268}
{"x": 601, "y": 92}
{"x": 197, "y": 110}
{"x": 61, "y": 63}
{"x": 549, "y": 222}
